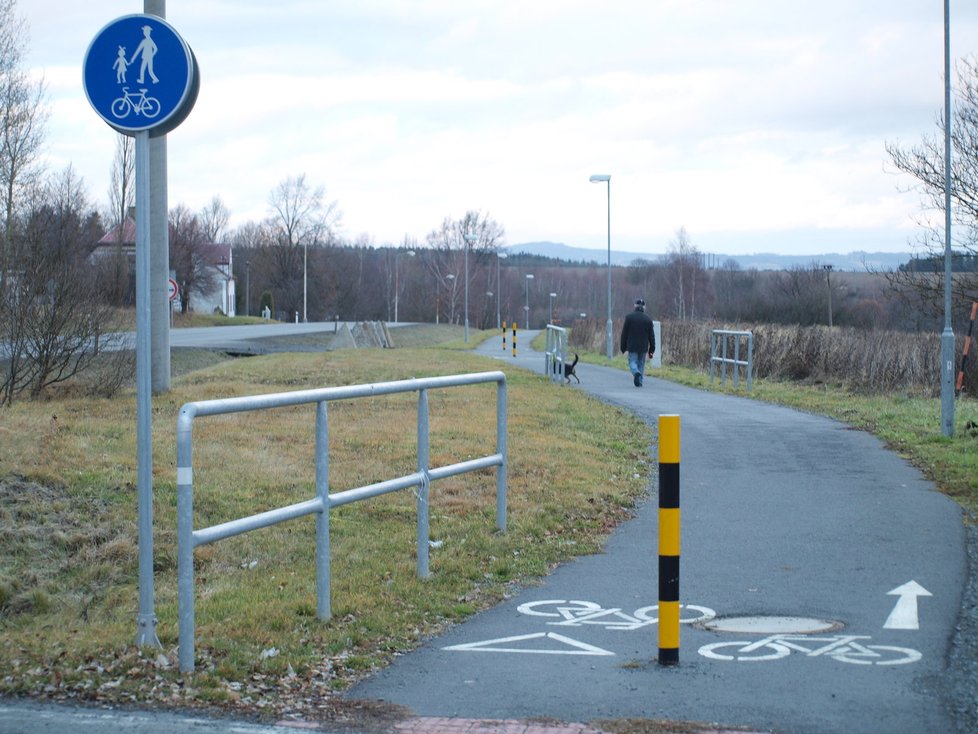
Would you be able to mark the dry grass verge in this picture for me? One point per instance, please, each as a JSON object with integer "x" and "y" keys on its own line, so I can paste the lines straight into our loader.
{"x": 68, "y": 596}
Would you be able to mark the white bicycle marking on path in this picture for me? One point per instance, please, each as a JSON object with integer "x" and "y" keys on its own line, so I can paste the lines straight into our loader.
{"x": 577, "y": 613}
{"x": 844, "y": 648}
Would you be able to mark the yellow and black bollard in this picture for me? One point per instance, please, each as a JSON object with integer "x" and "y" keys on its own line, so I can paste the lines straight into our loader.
{"x": 514, "y": 339}
{"x": 668, "y": 539}
{"x": 504, "y": 336}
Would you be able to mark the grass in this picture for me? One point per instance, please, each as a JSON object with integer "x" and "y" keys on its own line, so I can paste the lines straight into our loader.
{"x": 68, "y": 550}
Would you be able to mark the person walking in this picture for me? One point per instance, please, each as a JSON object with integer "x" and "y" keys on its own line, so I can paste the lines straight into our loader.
{"x": 638, "y": 340}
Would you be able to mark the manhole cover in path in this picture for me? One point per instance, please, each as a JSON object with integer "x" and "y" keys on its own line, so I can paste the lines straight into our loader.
{"x": 770, "y": 625}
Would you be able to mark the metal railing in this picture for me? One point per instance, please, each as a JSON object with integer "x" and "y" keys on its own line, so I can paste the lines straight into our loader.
{"x": 556, "y": 352}
{"x": 721, "y": 337}
{"x": 188, "y": 538}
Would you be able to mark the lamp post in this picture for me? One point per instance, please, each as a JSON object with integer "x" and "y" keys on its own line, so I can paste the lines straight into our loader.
{"x": 469, "y": 240}
{"x": 397, "y": 291}
{"x": 248, "y": 287}
{"x": 828, "y": 283}
{"x": 606, "y": 178}
{"x": 552, "y": 297}
{"x": 947, "y": 336}
{"x": 499, "y": 288}
{"x": 451, "y": 299}
{"x": 305, "y": 270}
{"x": 529, "y": 277}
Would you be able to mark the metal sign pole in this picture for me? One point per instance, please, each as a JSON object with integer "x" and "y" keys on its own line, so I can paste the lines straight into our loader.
{"x": 146, "y": 621}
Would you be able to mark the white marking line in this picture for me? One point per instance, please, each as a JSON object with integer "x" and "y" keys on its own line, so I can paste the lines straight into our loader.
{"x": 575, "y": 646}
{"x": 904, "y": 614}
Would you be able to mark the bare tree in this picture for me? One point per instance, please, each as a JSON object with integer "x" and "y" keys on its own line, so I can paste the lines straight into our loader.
{"x": 122, "y": 194}
{"x": 301, "y": 218}
{"x": 122, "y": 185}
{"x": 447, "y": 254}
{"x": 214, "y": 219}
{"x": 54, "y": 322}
{"x": 925, "y": 163}
{"x": 685, "y": 275}
{"x": 22, "y": 119}
{"x": 188, "y": 256}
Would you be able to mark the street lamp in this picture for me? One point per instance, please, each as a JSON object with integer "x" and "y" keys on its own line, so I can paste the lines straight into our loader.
{"x": 451, "y": 298}
{"x": 828, "y": 282}
{"x": 947, "y": 336}
{"x": 606, "y": 178}
{"x": 248, "y": 287}
{"x": 397, "y": 258}
{"x": 552, "y": 297}
{"x": 469, "y": 240}
{"x": 499, "y": 288}
{"x": 529, "y": 277}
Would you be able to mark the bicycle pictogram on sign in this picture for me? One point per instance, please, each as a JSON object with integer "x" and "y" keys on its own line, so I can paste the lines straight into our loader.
{"x": 138, "y": 104}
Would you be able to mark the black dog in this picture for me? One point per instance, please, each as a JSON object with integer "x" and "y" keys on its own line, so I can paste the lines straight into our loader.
{"x": 569, "y": 371}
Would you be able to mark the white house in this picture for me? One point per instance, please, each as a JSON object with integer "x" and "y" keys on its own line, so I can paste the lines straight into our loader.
{"x": 219, "y": 258}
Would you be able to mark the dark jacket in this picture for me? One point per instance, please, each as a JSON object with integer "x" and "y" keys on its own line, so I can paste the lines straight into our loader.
{"x": 637, "y": 333}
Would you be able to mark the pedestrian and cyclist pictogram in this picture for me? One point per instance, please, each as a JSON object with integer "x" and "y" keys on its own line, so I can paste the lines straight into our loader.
{"x": 139, "y": 75}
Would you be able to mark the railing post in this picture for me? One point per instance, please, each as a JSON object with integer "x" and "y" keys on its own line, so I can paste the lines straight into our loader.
{"x": 185, "y": 541}
{"x": 713, "y": 354}
{"x": 423, "y": 490}
{"x": 323, "y": 602}
{"x": 502, "y": 471}
{"x": 736, "y": 339}
{"x": 750, "y": 361}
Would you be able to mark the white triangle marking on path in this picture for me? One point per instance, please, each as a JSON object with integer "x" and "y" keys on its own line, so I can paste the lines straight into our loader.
{"x": 575, "y": 647}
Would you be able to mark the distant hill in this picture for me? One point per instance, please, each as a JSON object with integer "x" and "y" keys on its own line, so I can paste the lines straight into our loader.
{"x": 853, "y": 261}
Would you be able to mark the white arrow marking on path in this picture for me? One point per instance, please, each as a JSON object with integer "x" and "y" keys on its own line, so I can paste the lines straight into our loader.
{"x": 574, "y": 647}
{"x": 904, "y": 614}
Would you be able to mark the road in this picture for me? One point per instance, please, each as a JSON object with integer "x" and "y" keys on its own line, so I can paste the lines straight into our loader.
{"x": 785, "y": 517}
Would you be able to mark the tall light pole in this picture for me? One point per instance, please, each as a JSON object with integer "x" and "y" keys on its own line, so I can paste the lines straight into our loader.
{"x": 499, "y": 288}
{"x": 828, "y": 283}
{"x": 606, "y": 178}
{"x": 397, "y": 290}
{"x": 451, "y": 298}
{"x": 305, "y": 289}
{"x": 529, "y": 277}
{"x": 947, "y": 337}
{"x": 552, "y": 297}
{"x": 248, "y": 287}
{"x": 469, "y": 240}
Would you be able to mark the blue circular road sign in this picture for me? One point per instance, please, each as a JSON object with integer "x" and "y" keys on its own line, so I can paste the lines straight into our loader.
{"x": 140, "y": 75}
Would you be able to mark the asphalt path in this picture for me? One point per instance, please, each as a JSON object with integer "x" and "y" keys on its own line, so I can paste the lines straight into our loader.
{"x": 784, "y": 515}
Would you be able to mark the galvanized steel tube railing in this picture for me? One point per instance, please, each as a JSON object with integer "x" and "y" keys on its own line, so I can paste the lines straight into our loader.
{"x": 721, "y": 337}
{"x": 188, "y": 538}
{"x": 556, "y": 352}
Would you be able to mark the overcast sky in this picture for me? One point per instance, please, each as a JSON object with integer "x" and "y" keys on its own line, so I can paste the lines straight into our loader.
{"x": 758, "y": 125}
